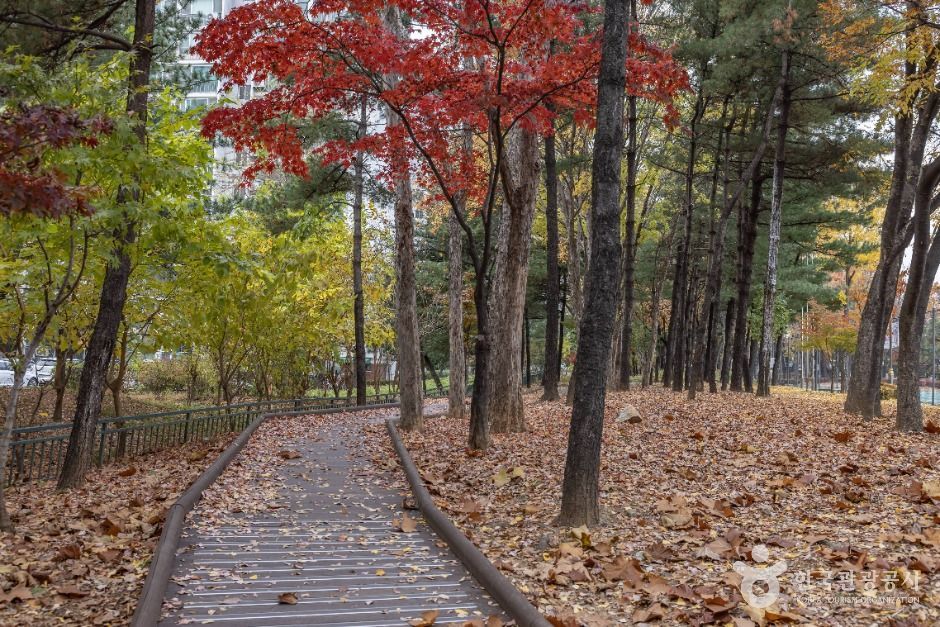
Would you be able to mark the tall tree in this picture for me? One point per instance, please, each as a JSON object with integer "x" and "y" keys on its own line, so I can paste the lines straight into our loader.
{"x": 407, "y": 339}
{"x": 629, "y": 231}
{"x": 456, "y": 354}
{"x": 580, "y": 490}
{"x": 520, "y": 177}
{"x": 550, "y": 370}
{"x": 359, "y": 303}
{"x": 776, "y": 217}
{"x": 114, "y": 287}
{"x": 900, "y": 74}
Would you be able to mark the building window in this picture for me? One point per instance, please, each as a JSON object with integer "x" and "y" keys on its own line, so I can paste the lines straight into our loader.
{"x": 201, "y": 80}
{"x": 204, "y": 7}
{"x": 197, "y": 103}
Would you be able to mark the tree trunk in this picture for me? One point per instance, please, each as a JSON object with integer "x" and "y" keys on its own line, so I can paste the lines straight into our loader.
{"x": 649, "y": 371}
{"x": 60, "y": 381}
{"x": 921, "y": 274}
{"x": 911, "y": 132}
{"x": 778, "y": 359}
{"x": 550, "y": 373}
{"x": 456, "y": 355}
{"x": 729, "y": 341}
{"x": 508, "y": 289}
{"x": 747, "y": 235}
{"x": 680, "y": 287}
{"x": 408, "y": 342}
{"x": 407, "y": 337}
{"x": 629, "y": 236}
{"x": 359, "y": 303}
{"x": 434, "y": 375}
{"x": 114, "y": 287}
{"x": 773, "y": 238}
{"x": 580, "y": 490}
{"x": 6, "y": 524}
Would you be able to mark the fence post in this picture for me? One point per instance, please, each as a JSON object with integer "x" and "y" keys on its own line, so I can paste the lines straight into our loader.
{"x": 933, "y": 356}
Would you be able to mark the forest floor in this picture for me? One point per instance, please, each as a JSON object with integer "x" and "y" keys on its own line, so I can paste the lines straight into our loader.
{"x": 852, "y": 508}
{"x": 80, "y": 557}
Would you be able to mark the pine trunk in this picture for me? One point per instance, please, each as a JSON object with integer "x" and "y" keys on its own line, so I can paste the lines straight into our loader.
{"x": 550, "y": 374}
{"x": 580, "y": 490}
{"x": 747, "y": 235}
{"x": 773, "y": 238}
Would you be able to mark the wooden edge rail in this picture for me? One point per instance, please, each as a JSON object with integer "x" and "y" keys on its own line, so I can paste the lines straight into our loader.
{"x": 150, "y": 605}
{"x": 513, "y": 602}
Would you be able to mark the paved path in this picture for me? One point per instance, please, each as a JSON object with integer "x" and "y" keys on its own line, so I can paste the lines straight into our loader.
{"x": 332, "y": 544}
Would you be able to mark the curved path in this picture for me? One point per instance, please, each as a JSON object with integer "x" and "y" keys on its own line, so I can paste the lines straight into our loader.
{"x": 330, "y": 554}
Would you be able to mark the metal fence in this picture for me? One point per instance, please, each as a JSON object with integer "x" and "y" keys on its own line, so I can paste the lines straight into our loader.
{"x": 37, "y": 453}
{"x": 812, "y": 369}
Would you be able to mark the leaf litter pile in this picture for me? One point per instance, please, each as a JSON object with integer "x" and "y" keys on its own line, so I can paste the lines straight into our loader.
{"x": 696, "y": 494}
{"x": 80, "y": 557}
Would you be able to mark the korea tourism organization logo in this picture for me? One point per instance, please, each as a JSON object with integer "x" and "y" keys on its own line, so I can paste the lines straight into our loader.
{"x": 766, "y": 575}
{"x": 761, "y": 584}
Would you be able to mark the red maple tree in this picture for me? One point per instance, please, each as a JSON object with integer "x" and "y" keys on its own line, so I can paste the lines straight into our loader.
{"x": 27, "y": 184}
{"x": 459, "y": 79}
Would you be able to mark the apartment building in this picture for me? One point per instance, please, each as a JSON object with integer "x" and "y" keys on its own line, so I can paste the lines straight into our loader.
{"x": 205, "y": 90}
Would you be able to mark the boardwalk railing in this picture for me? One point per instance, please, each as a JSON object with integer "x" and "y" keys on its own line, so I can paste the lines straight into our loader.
{"x": 37, "y": 453}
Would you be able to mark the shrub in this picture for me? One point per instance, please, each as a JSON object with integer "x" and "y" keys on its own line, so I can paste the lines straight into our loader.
{"x": 889, "y": 392}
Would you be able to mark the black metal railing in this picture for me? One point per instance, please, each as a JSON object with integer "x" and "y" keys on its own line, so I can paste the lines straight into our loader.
{"x": 37, "y": 453}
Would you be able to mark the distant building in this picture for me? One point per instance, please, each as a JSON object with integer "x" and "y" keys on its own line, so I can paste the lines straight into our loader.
{"x": 205, "y": 90}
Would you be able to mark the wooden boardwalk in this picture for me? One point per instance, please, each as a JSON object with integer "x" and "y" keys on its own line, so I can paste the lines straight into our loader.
{"x": 332, "y": 548}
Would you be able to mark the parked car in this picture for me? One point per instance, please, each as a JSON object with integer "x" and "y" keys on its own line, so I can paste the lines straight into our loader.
{"x": 39, "y": 372}
{"x": 6, "y": 373}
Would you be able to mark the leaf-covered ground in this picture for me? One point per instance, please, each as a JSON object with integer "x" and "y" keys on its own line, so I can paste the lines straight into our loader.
{"x": 693, "y": 487}
{"x": 80, "y": 557}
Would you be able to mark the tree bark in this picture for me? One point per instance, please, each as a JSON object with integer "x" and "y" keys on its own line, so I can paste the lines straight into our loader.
{"x": 550, "y": 373}
{"x": 359, "y": 302}
{"x": 778, "y": 359}
{"x": 580, "y": 489}
{"x": 408, "y": 341}
{"x": 729, "y": 340}
{"x": 678, "y": 320}
{"x": 629, "y": 236}
{"x": 747, "y": 235}
{"x": 912, "y": 128}
{"x": 922, "y": 271}
{"x": 456, "y": 355}
{"x": 773, "y": 238}
{"x": 510, "y": 275}
{"x": 114, "y": 287}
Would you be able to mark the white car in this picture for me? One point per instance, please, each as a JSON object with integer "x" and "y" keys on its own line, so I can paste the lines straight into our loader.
{"x": 39, "y": 372}
{"x": 6, "y": 373}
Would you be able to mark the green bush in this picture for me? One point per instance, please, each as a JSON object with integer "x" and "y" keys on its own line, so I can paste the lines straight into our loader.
{"x": 161, "y": 376}
{"x": 889, "y": 392}
{"x": 190, "y": 374}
